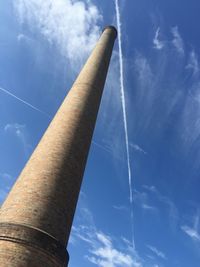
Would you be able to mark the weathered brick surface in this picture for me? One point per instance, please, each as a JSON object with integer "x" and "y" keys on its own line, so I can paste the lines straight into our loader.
{"x": 17, "y": 255}
{"x": 46, "y": 192}
{"x": 29, "y": 236}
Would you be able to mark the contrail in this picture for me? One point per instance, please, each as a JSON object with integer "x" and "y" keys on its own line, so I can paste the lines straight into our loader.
{"x": 106, "y": 150}
{"x": 102, "y": 147}
{"x": 23, "y": 101}
{"x": 124, "y": 112}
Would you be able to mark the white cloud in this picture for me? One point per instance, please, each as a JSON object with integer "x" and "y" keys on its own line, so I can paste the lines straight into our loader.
{"x": 191, "y": 232}
{"x": 158, "y": 96}
{"x": 157, "y": 252}
{"x": 18, "y": 130}
{"x": 72, "y": 26}
{"x": 189, "y": 126}
{"x": 24, "y": 38}
{"x": 15, "y": 128}
{"x": 196, "y": 220}
{"x": 177, "y": 41}
{"x": 121, "y": 208}
{"x": 103, "y": 252}
{"x": 150, "y": 188}
{"x": 193, "y": 63}
{"x": 148, "y": 207}
{"x": 102, "y": 249}
{"x": 143, "y": 69}
{"x": 20, "y": 37}
{"x": 106, "y": 255}
{"x": 145, "y": 93}
{"x": 106, "y": 240}
{"x": 138, "y": 148}
{"x": 151, "y": 257}
{"x": 158, "y": 44}
{"x": 142, "y": 199}
{"x": 166, "y": 200}
{"x": 171, "y": 207}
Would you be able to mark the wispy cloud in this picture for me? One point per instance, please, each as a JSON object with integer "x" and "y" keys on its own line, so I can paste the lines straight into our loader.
{"x": 143, "y": 70}
{"x": 106, "y": 255}
{"x": 22, "y": 37}
{"x": 165, "y": 199}
{"x": 171, "y": 207}
{"x": 157, "y": 252}
{"x": 63, "y": 23}
{"x": 19, "y": 131}
{"x": 191, "y": 232}
{"x": 146, "y": 90}
{"x": 148, "y": 207}
{"x": 193, "y": 63}
{"x": 140, "y": 196}
{"x": 151, "y": 258}
{"x": 177, "y": 41}
{"x": 158, "y": 44}
{"x": 138, "y": 148}
{"x": 156, "y": 95}
{"x": 150, "y": 188}
{"x": 160, "y": 97}
{"x": 121, "y": 208}
{"x": 103, "y": 251}
{"x": 143, "y": 201}
{"x": 15, "y": 128}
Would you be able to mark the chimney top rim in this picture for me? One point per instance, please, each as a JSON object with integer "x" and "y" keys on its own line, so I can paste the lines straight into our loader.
{"x": 111, "y": 27}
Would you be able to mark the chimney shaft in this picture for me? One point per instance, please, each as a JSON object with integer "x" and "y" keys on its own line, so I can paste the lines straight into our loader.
{"x": 36, "y": 217}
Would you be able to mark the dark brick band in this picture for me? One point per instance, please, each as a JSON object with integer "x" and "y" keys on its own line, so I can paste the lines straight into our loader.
{"x": 35, "y": 238}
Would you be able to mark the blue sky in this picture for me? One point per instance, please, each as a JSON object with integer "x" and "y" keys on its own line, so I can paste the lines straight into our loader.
{"x": 43, "y": 45}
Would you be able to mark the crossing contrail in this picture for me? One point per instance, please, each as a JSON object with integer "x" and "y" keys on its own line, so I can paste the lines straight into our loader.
{"x": 102, "y": 147}
{"x": 23, "y": 101}
{"x": 124, "y": 112}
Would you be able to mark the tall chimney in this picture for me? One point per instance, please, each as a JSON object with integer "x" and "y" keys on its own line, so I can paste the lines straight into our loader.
{"x": 36, "y": 217}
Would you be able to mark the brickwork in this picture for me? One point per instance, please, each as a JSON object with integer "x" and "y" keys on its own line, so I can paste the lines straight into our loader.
{"x": 46, "y": 193}
{"x": 17, "y": 255}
